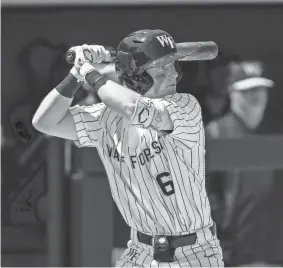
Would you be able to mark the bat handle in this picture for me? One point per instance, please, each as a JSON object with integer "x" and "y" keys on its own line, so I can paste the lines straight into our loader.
{"x": 71, "y": 56}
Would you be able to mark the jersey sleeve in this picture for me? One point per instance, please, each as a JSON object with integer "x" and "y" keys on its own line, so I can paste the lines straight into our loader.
{"x": 184, "y": 112}
{"x": 88, "y": 123}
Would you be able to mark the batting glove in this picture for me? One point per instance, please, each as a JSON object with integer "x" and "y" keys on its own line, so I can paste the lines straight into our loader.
{"x": 79, "y": 61}
{"x": 92, "y": 54}
{"x": 75, "y": 71}
{"x": 95, "y": 54}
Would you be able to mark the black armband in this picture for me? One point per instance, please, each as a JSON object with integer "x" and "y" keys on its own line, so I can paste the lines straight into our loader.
{"x": 69, "y": 86}
{"x": 96, "y": 80}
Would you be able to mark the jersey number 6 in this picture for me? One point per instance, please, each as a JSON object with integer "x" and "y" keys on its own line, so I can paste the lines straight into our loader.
{"x": 165, "y": 183}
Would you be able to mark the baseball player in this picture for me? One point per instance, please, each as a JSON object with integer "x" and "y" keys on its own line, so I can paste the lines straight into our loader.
{"x": 151, "y": 142}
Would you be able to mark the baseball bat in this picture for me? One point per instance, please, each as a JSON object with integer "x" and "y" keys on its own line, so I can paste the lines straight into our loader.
{"x": 192, "y": 51}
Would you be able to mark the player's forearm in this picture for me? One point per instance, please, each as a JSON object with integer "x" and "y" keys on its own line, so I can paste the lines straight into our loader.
{"x": 110, "y": 73}
{"x": 51, "y": 110}
{"x": 55, "y": 105}
{"x": 113, "y": 95}
{"x": 119, "y": 98}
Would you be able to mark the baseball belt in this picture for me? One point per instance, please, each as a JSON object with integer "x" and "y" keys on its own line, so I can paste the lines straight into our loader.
{"x": 175, "y": 241}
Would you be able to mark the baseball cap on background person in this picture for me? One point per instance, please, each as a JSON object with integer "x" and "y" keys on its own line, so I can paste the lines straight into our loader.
{"x": 247, "y": 75}
{"x": 248, "y": 86}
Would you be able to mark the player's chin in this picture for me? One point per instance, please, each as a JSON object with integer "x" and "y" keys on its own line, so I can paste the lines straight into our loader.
{"x": 163, "y": 90}
{"x": 170, "y": 88}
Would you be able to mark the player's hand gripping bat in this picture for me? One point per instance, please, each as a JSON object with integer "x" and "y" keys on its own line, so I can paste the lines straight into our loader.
{"x": 192, "y": 51}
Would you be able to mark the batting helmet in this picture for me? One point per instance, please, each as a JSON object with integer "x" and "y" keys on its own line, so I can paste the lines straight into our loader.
{"x": 141, "y": 50}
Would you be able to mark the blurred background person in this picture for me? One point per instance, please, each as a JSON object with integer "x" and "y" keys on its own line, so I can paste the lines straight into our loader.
{"x": 216, "y": 101}
{"x": 247, "y": 89}
{"x": 241, "y": 199}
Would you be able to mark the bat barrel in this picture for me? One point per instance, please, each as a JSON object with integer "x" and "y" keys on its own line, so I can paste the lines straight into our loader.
{"x": 195, "y": 51}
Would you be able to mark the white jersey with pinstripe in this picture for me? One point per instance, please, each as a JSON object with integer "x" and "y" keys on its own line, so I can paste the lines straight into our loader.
{"x": 156, "y": 178}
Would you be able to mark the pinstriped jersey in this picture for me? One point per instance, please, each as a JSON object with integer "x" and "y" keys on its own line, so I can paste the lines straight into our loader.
{"x": 156, "y": 177}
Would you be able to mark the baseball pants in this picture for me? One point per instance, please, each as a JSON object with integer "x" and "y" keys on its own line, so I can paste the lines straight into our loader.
{"x": 206, "y": 252}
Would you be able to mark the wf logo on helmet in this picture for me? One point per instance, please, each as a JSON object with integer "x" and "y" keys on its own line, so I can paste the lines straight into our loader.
{"x": 166, "y": 40}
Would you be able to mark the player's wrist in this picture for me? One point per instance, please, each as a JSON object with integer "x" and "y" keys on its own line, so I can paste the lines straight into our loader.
{"x": 94, "y": 78}
{"x": 85, "y": 69}
{"x": 69, "y": 86}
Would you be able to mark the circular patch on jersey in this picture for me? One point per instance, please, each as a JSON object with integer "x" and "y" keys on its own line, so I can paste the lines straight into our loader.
{"x": 157, "y": 120}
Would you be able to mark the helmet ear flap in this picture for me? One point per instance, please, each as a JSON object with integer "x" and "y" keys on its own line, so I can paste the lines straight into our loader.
{"x": 146, "y": 82}
{"x": 127, "y": 72}
{"x": 139, "y": 83}
{"x": 125, "y": 63}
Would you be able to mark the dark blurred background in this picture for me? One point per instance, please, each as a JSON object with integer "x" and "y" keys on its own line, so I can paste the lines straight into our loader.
{"x": 56, "y": 207}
